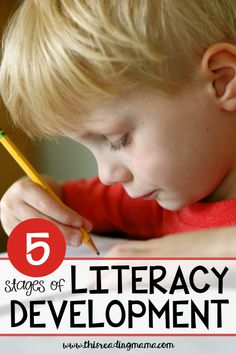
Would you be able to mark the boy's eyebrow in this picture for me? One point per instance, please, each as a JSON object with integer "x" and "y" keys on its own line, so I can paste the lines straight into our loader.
{"x": 109, "y": 127}
{"x": 86, "y": 133}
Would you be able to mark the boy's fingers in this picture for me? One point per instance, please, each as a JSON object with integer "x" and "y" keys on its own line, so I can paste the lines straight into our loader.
{"x": 26, "y": 200}
{"x": 10, "y": 223}
{"x": 87, "y": 225}
{"x": 73, "y": 236}
{"x": 42, "y": 201}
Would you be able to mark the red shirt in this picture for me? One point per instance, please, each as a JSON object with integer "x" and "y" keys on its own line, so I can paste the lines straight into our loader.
{"x": 110, "y": 209}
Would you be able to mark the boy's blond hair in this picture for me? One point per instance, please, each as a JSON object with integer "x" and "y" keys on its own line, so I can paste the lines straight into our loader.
{"x": 60, "y": 53}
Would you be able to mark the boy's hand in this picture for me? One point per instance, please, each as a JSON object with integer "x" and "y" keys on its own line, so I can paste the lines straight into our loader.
{"x": 219, "y": 242}
{"x": 25, "y": 200}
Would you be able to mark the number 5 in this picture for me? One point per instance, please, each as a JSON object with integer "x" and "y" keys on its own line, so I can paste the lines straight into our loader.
{"x": 30, "y": 246}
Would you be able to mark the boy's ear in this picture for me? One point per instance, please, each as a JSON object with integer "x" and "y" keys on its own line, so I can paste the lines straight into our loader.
{"x": 219, "y": 69}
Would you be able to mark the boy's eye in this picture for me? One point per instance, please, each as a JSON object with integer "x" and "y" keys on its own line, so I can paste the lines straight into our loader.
{"x": 114, "y": 146}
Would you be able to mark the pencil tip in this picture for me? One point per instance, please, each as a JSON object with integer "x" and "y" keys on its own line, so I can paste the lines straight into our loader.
{"x": 98, "y": 253}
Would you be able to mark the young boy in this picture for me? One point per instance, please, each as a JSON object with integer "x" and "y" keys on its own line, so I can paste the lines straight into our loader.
{"x": 150, "y": 88}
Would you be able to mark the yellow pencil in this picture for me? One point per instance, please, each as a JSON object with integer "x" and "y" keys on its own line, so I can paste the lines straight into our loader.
{"x": 36, "y": 178}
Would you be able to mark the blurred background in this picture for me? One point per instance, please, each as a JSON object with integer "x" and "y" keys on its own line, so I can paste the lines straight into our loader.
{"x": 61, "y": 159}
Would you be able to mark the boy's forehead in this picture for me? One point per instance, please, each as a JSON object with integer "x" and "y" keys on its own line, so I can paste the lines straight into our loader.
{"x": 113, "y": 113}
{"x": 104, "y": 114}
{"x": 105, "y": 124}
{"x": 117, "y": 104}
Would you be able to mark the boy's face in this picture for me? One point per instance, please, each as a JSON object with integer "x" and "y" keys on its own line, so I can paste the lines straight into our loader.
{"x": 174, "y": 148}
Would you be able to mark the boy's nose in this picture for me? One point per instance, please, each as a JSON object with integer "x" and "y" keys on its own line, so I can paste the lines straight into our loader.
{"x": 113, "y": 173}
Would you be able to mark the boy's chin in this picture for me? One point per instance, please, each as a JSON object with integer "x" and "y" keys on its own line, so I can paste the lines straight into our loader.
{"x": 172, "y": 204}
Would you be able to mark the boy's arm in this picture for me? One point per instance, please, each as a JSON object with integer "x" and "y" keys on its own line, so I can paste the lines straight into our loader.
{"x": 219, "y": 242}
{"x": 110, "y": 209}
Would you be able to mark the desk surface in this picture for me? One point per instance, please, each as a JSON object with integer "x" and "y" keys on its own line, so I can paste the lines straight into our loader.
{"x": 103, "y": 244}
